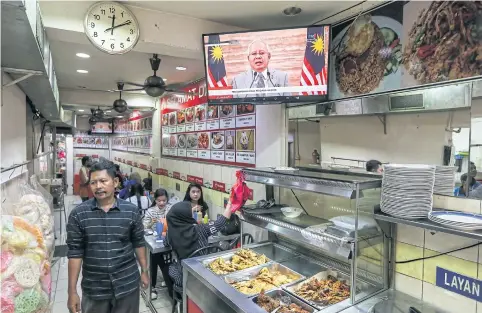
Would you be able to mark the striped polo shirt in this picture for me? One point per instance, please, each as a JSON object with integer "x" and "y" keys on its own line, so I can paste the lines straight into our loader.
{"x": 106, "y": 242}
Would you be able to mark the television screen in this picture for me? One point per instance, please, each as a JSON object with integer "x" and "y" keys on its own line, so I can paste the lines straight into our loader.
{"x": 101, "y": 128}
{"x": 286, "y": 65}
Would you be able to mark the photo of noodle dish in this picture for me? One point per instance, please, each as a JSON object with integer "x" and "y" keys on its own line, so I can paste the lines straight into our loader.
{"x": 444, "y": 40}
{"x": 366, "y": 56}
{"x": 192, "y": 141}
{"x": 217, "y": 140}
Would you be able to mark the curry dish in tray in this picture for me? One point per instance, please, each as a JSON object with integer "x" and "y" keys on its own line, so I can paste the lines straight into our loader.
{"x": 265, "y": 280}
{"x": 241, "y": 260}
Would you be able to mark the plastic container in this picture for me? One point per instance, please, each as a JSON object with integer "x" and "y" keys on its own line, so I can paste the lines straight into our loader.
{"x": 291, "y": 212}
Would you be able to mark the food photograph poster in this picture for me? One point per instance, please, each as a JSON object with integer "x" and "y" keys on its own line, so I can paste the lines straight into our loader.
{"x": 406, "y": 44}
{"x": 193, "y": 130}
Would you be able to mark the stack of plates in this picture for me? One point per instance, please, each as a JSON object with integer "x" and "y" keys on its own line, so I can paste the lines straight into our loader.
{"x": 457, "y": 220}
{"x": 407, "y": 190}
{"x": 444, "y": 180}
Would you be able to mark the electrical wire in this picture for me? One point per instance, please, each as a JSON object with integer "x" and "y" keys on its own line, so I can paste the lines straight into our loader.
{"x": 437, "y": 255}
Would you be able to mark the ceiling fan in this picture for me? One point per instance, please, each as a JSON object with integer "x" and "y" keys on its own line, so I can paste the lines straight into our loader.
{"x": 97, "y": 115}
{"x": 154, "y": 85}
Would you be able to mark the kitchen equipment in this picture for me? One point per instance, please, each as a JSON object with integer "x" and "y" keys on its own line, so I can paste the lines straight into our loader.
{"x": 291, "y": 212}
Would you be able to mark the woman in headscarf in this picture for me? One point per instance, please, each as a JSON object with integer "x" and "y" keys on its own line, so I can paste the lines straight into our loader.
{"x": 186, "y": 236}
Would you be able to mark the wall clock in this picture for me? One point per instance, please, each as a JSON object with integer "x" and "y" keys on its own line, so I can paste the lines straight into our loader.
{"x": 111, "y": 27}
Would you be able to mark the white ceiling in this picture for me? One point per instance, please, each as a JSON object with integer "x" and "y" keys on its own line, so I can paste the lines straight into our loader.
{"x": 249, "y": 14}
{"x": 105, "y": 70}
{"x": 170, "y": 28}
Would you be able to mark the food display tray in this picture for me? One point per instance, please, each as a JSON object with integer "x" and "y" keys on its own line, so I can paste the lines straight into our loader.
{"x": 322, "y": 275}
{"x": 251, "y": 273}
{"x": 305, "y": 266}
{"x": 274, "y": 252}
{"x": 228, "y": 257}
{"x": 279, "y": 293}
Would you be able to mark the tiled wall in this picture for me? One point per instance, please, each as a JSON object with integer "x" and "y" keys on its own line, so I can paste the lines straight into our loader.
{"x": 418, "y": 278}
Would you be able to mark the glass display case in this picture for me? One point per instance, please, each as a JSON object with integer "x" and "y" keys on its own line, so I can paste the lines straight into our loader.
{"x": 334, "y": 240}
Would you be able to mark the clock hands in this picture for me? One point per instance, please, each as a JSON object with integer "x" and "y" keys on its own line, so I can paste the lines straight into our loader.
{"x": 128, "y": 22}
{"x": 112, "y": 28}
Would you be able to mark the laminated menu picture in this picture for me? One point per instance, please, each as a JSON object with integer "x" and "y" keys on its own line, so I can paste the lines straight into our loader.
{"x": 245, "y": 140}
{"x": 181, "y": 117}
{"x": 217, "y": 140}
{"x": 200, "y": 113}
{"x": 172, "y": 118}
{"x": 230, "y": 139}
{"x": 190, "y": 115}
{"x": 242, "y": 109}
{"x": 165, "y": 119}
{"x": 226, "y": 110}
{"x": 213, "y": 111}
{"x": 203, "y": 140}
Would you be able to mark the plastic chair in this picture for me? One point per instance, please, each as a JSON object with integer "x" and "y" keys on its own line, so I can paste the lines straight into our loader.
{"x": 247, "y": 239}
{"x": 177, "y": 291}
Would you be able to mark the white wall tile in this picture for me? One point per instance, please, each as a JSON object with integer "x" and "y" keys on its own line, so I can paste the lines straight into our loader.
{"x": 442, "y": 242}
{"x": 446, "y": 300}
{"x": 409, "y": 285}
{"x": 410, "y": 235}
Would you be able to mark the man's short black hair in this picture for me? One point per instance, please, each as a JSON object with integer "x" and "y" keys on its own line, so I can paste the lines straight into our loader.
{"x": 464, "y": 177}
{"x": 104, "y": 165}
{"x": 85, "y": 159}
{"x": 373, "y": 165}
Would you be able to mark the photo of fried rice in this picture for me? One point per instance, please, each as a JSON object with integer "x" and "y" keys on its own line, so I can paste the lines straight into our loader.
{"x": 366, "y": 53}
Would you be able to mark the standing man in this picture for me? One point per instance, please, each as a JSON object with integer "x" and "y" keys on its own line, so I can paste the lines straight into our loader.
{"x": 259, "y": 75}
{"x": 103, "y": 234}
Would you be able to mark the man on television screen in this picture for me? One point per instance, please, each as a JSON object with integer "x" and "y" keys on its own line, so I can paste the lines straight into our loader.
{"x": 260, "y": 75}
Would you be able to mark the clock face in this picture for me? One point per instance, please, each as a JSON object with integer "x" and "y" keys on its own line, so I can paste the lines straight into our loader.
{"x": 111, "y": 27}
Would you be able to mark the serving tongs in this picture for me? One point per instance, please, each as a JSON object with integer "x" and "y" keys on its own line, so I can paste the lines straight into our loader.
{"x": 283, "y": 301}
{"x": 262, "y": 207}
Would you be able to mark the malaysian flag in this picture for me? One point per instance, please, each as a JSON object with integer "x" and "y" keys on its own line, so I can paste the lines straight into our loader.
{"x": 216, "y": 68}
{"x": 314, "y": 71}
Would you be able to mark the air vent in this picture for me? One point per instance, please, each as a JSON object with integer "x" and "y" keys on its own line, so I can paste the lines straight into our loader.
{"x": 406, "y": 102}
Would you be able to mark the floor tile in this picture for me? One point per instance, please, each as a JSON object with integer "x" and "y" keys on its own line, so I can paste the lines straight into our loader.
{"x": 60, "y": 307}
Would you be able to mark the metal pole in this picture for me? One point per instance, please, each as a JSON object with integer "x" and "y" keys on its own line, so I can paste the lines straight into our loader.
{"x": 54, "y": 157}
{"x": 354, "y": 251}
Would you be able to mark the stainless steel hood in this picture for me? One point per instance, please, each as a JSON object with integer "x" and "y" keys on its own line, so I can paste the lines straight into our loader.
{"x": 25, "y": 49}
{"x": 450, "y": 97}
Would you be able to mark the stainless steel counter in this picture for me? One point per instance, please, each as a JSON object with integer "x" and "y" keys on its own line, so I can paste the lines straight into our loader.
{"x": 213, "y": 295}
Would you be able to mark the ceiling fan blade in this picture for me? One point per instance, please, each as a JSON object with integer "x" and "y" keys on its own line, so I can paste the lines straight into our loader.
{"x": 178, "y": 91}
{"x": 134, "y": 89}
{"x": 134, "y": 84}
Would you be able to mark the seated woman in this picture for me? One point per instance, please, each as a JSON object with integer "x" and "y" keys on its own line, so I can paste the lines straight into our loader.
{"x": 186, "y": 236}
{"x": 194, "y": 194}
{"x": 138, "y": 197}
{"x": 157, "y": 213}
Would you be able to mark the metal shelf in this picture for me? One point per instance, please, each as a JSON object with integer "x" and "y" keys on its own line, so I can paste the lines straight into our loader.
{"x": 320, "y": 181}
{"x": 326, "y": 242}
{"x": 429, "y": 225}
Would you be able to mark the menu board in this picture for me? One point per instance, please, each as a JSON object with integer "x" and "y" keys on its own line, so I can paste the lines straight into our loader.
{"x": 133, "y": 134}
{"x": 101, "y": 128}
{"x": 84, "y": 140}
{"x": 193, "y": 130}
{"x": 405, "y": 44}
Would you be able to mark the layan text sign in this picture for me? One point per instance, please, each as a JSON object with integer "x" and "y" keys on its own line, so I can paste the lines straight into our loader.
{"x": 463, "y": 285}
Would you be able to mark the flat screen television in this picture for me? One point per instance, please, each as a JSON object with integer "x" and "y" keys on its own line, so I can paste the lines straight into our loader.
{"x": 268, "y": 66}
{"x": 102, "y": 128}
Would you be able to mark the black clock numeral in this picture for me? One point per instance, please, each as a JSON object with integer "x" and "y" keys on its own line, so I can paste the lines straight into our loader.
{"x": 112, "y": 46}
{"x": 128, "y": 38}
{"x": 97, "y": 16}
{"x": 122, "y": 45}
{"x": 103, "y": 41}
{"x": 122, "y": 14}
{"x": 95, "y": 34}
{"x": 131, "y": 31}
{"x": 102, "y": 11}
{"x": 112, "y": 10}
{"x": 92, "y": 25}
